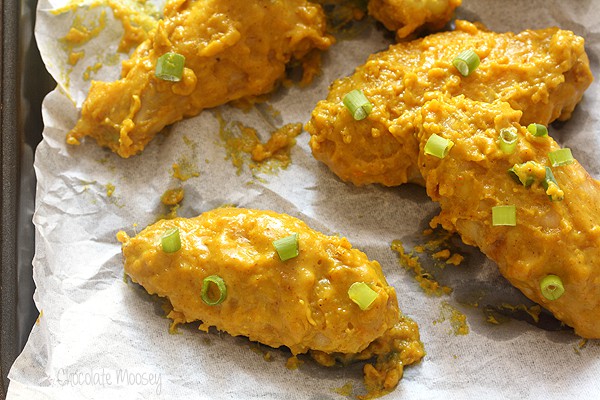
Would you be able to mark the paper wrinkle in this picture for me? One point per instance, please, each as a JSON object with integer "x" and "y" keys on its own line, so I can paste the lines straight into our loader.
{"x": 96, "y": 324}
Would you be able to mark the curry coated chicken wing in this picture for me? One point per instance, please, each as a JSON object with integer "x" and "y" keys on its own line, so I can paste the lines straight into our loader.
{"x": 232, "y": 50}
{"x": 408, "y": 16}
{"x": 531, "y": 209}
{"x": 542, "y": 73}
{"x": 327, "y": 299}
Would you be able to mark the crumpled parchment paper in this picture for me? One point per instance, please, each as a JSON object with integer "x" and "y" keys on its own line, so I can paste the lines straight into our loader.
{"x": 100, "y": 336}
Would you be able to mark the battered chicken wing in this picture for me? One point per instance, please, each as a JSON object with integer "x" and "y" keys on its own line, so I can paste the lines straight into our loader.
{"x": 551, "y": 236}
{"x": 408, "y": 16}
{"x": 542, "y": 73}
{"x": 403, "y": 16}
{"x": 302, "y": 303}
{"x": 232, "y": 49}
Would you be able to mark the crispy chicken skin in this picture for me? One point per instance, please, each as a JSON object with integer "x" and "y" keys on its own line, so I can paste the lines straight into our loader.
{"x": 408, "y": 16}
{"x": 543, "y": 73}
{"x": 551, "y": 237}
{"x": 233, "y": 49}
{"x": 301, "y": 303}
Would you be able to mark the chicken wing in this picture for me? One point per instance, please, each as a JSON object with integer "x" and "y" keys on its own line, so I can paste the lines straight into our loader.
{"x": 542, "y": 73}
{"x": 408, "y": 16}
{"x": 552, "y": 237}
{"x": 302, "y": 303}
{"x": 403, "y": 16}
{"x": 232, "y": 49}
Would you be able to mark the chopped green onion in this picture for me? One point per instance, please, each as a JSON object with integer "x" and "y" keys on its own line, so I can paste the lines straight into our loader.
{"x": 504, "y": 215}
{"x": 537, "y": 130}
{"x": 508, "y": 140}
{"x": 438, "y": 146}
{"x": 466, "y": 62}
{"x": 169, "y": 67}
{"x": 287, "y": 247}
{"x": 362, "y": 294}
{"x": 524, "y": 173}
{"x": 171, "y": 242}
{"x": 561, "y": 157}
{"x": 357, "y": 103}
{"x": 551, "y": 186}
{"x": 552, "y": 287}
{"x": 217, "y": 280}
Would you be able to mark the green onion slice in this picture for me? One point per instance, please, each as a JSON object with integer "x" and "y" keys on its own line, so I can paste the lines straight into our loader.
{"x": 169, "y": 67}
{"x": 551, "y": 186}
{"x": 552, "y": 287}
{"x": 171, "y": 242}
{"x": 438, "y": 146}
{"x": 220, "y": 283}
{"x": 508, "y": 140}
{"x": 525, "y": 172}
{"x": 537, "y": 130}
{"x": 287, "y": 247}
{"x": 561, "y": 157}
{"x": 358, "y": 104}
{"x": 466, "y": 62}
{"x": 504, "y": 215}
{"x": 362, "y": 294}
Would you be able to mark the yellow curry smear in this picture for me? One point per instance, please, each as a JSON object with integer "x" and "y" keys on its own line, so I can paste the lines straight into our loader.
{"x": 580, "y": 345}
{"x": 458, "y": 320}
{"x": 110, "y": 189}
{"x": 293, "y": 363}
{"x": 244, "y": 146}
{"x": 172, "y": 198}
{"x": 80, "y": 34}
{"x": 502, "y": 313}
{"x": 534, "y": 311}
{"x": 411, "y": 262}
{"x": 441, "y": 248}
{"x": 259, "y": 349}
{"x": 345, "y": 390}
{"x": 136, "y": 16}
{"x": 87, "y": 75}
{"x": 75, "y": 56}
{"x": 184, "y": 170}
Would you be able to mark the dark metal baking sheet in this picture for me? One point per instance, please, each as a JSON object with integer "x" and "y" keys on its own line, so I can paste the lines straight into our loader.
{"x": 23, "y": 84}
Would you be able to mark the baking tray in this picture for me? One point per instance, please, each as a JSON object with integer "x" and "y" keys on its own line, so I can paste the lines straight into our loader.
{"x": 23, "y": 84}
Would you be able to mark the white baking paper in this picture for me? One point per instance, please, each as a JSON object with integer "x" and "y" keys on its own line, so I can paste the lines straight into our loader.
{"x": 101, "y": 337}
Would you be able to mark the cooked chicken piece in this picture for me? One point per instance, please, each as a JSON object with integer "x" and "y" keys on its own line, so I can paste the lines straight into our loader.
{"x": 302, "y": 303}
{"x": 542, "y": 73}
{"x": 551, "y": 236}
{"x": 408, "y": 16}
{"x": 403, "y": 16}
{"x": 232, "y": 49}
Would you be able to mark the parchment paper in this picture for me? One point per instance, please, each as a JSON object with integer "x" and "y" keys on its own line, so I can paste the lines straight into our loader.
{"x": 100, "y": 336}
